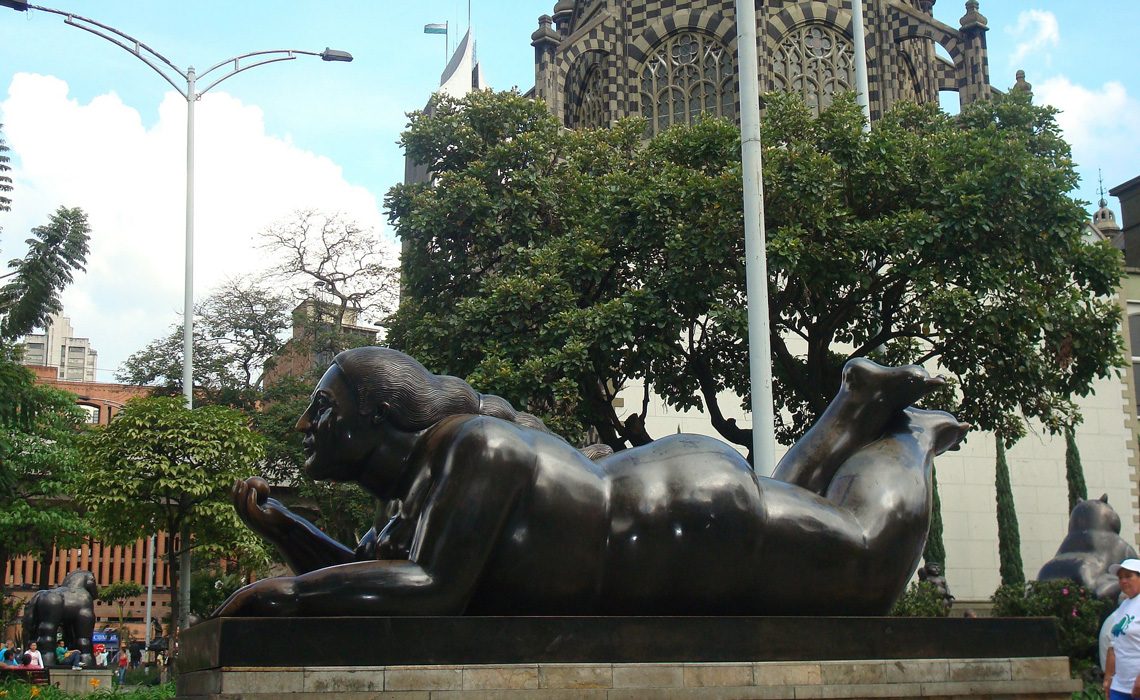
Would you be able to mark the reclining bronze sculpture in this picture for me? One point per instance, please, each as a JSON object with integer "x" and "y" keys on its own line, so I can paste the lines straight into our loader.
{"x": 497, "y": 516}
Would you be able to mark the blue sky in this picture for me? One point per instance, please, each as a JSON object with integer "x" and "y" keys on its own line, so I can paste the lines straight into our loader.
{"x": 91, "y": 126}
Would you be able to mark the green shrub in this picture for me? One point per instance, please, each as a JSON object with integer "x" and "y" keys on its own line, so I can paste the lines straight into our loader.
{"x": 1079, "y": 616}
{"x": 18, "y": 690}
{"x": 921, "y": 599}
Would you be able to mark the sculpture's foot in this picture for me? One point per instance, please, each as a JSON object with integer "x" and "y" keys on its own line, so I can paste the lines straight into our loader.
{"x": 870, "y": 397}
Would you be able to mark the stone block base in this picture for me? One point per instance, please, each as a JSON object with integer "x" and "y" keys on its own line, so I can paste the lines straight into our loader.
{"x": 1029, "y": 678}
{"x": 82, "y": 682}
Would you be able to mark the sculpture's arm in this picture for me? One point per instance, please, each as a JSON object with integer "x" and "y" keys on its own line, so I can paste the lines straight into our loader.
{"x": 456, "y": 535}
{"x": 303, "y": 546}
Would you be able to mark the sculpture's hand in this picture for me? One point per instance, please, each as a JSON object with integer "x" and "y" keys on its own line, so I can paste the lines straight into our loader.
{"x": 303, "y": 546}
{"x": 262, "y": 514}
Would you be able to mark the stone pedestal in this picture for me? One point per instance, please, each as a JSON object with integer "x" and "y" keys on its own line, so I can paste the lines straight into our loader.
{"x": 618, "y": 658}
{"x": 83, "y": 682}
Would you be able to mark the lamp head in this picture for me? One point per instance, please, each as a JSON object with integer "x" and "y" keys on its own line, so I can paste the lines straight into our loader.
{"x": 20, "y": 5}
{"x": 328, "y": 54}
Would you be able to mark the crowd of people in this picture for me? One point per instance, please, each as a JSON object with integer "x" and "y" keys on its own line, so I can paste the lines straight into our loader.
{"x": 118, "y": 659}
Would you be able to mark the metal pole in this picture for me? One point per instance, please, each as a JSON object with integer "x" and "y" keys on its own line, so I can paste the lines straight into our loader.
{"x": 149, "y": 586}
{"x": 756, "y": 263}
{"x": 859, "y": 36}
{"x": 188, "y": 299}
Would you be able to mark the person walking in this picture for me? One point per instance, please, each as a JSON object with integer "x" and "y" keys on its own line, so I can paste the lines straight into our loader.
{"x": 1122, "y": 662}
{"x": 124, "y": 660}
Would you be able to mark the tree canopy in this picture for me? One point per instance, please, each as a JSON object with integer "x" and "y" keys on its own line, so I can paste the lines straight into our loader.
{"x": 39, "y": 468}
{"x": 554, "y": 267}
{"x": 236, "y": 331}
{"x": 162, "y": 467}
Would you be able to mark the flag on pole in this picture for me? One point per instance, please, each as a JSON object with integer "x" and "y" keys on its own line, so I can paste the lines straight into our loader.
{"x": 436, "y": 28}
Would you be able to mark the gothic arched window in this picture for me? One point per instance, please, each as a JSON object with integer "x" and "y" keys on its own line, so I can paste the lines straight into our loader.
{"x": 686, "y": 75}
{"x": 815, "y": 61}
{"x": 592, "y": 106}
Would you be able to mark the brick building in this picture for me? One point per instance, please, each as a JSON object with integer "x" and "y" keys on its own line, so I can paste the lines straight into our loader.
{"x": 110, "y": 563}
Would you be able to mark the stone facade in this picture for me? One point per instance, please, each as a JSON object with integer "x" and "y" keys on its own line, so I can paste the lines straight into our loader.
{"x": 597, "y": 61}
{"x": 1038, "y": 678}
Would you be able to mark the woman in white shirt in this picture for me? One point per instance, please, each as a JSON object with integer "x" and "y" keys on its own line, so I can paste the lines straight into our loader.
{"x": 35, "y": 658}
{"x": 1122, "y": 665}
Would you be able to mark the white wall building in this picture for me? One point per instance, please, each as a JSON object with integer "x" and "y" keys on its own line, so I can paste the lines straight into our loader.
{"x": 73, "y": 358}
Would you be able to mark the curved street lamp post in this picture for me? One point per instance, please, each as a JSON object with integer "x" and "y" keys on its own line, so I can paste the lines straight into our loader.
{"x": 187, "y": 86}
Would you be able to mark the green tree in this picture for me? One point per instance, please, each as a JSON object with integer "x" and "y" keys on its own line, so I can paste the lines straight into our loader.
{"x": 1009, "y": 536}
{"x": 935, "y": 549}
{"x": 236, "y": 331}
{"x": 55, "y": 252}
{"x": 5, "y": 180}
{"x": 162, "y": 467}
{"x": 211, "y": 586}
{"x": 118, "y": 593}
{"x": 1074, "y": 473}
{"x": 349, "y": 271}
{"x": 554, "y": 267}
{"x": 38, "y": 467}
{"x": 38, "y": 424}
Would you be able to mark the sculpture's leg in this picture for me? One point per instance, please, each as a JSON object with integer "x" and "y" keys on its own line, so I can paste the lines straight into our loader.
{"x": 83, "y": 628}
{"x": 1106, "y": 587}
{"x": 869, "y": 397}
{"x": 48, "y": 616}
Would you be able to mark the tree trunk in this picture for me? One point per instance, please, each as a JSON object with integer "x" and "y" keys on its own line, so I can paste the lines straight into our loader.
{"x": 184, "y": 578}
{"x": 1074, "y": 472}
{"x": 935, "y": 549}
{"x": 172, "y": 564}
{"x": 1009, "y": 538}
{"x": 3, "y": 572}
{"x": 47, "y": 558}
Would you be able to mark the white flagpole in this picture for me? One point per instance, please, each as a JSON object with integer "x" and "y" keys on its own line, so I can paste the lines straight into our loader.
{"x": 756, "y": 263}
{"x": 859, "y": 36}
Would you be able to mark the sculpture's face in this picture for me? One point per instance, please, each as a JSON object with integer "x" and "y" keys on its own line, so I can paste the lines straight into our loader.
{"x": 337, "y": 437}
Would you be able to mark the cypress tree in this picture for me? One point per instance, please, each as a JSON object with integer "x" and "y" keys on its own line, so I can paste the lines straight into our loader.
{"x": 1074, "y": 472}
{"x": 1009, "y": 539}
{"x": 935, "y": 549}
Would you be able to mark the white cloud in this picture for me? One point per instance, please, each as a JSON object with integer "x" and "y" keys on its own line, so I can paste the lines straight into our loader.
{"x": 1035, "y": 31}
{"x": 130, "y": 179}
{"x": 1101, "y": 124}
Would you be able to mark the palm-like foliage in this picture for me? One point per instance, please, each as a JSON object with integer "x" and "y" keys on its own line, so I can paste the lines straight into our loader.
{"x": 5, "y": 181}
{"x": 55, "y": 252}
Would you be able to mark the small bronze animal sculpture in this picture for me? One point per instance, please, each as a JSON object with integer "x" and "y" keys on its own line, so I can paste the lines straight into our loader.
{"x": 1091, "y": 546}
{"x": 506, "y": 519}
{"x": 70, "y": 608}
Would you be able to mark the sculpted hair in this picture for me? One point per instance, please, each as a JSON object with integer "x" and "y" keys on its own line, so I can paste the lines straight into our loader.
{"x": 416, "y": 397}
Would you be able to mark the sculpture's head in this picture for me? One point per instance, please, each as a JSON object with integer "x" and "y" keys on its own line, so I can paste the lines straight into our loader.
{"x": 1094, "y": 514}
{"x": 375, "y": 396}
{"x": 82, "y": 579}
{"x": 366, "y": 398}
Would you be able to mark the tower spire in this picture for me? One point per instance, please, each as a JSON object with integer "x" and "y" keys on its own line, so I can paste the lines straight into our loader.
{"x": 1100, "y": 177}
